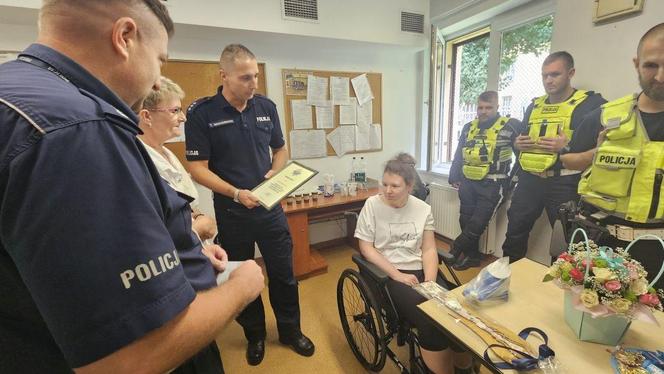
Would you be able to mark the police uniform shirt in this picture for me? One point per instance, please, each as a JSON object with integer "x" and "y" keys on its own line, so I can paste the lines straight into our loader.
{"x": 586, "y": 138}
{"x": 88, "y": 260}
{"x": 506, "y": 136}
{"x": 593, "y": 101}
{"x": 236, "y": 144}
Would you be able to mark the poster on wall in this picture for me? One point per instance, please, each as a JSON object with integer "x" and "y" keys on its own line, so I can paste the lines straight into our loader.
{"x": 296, "y": 83}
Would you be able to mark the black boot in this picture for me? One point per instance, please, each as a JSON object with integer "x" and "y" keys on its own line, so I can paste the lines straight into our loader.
{"x": 466, "y": 263}
{"x": 450, "y": 257}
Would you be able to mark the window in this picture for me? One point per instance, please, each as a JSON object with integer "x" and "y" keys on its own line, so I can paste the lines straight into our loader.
{"x": 505, "y": 104}
{"x": 522, "y": 51}
{"x": 466, "y": 77}
{"x": 508, "y": 60}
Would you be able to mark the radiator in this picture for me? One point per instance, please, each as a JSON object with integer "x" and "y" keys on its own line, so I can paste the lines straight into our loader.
{"x": 444, "y": 200}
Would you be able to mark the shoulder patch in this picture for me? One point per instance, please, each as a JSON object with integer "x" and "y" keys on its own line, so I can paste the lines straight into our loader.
{"x": 198, "y": 102}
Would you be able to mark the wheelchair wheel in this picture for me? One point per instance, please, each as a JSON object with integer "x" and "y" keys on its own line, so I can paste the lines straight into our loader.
{"x": 361, "y": 320}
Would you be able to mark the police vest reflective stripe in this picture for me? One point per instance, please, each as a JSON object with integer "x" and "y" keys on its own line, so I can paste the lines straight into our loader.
{"x": 625, "y": 178}
{"x": 481, "y": 149}
{"x": 547, "y": 120}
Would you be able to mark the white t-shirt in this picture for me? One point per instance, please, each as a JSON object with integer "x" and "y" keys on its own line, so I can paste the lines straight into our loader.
{"x": 396, "y": 232}
{"x": 171, "y": 169}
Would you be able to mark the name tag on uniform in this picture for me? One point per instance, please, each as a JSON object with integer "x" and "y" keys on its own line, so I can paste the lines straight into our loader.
{"x": 221, "y": 123}
{"x": 263, "y": 119}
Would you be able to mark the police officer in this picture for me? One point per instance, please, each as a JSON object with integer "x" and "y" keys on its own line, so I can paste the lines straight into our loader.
{"x": 479, "y": 170}
{"x": 547, "y": 127}
{"x": 229, "y": 139}
{"x": 620, "y": 192}
{"x": 99, "y": 269}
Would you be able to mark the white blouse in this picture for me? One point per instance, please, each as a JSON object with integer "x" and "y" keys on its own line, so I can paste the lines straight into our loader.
{"x": 171, "y": 169}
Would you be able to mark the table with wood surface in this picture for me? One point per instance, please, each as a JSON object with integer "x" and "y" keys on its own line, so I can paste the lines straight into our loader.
{"x": 307, "y": 261}
{"x": 535, "y": 304}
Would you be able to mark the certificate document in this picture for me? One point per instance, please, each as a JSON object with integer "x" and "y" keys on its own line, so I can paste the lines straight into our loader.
{"x": 281, "y": 184}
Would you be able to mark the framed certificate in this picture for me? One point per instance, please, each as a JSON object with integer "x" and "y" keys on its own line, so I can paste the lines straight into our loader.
{"x": 281, "y": 184}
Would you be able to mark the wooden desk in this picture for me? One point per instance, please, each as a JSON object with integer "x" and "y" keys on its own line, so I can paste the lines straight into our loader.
{"x": 536, "y": 304}
{"x": 306, "y": 261}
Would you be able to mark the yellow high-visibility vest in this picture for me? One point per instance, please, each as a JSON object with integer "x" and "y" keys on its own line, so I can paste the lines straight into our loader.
{"x": 480, "y": 150}
{"x": 547, "y": 120}
{"x": 625, "y": 178}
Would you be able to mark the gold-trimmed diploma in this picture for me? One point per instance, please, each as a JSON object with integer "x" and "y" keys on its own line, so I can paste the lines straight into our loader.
{"x": 282, "y": 183}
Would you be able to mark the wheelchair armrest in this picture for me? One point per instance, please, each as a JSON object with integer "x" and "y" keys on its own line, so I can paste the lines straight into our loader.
{"x": 367, "y": 267}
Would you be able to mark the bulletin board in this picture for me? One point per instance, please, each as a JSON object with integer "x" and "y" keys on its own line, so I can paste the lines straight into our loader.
{"x": 300, "y": 93}
{"x": 199, "y": 79}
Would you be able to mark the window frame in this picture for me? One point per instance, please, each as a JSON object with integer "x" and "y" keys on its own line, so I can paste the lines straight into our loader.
{"x": 496, "y": 24}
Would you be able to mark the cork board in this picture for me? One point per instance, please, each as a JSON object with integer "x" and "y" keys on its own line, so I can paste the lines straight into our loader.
{"x": 300, "y": 93}
{"x": 199, "y": 79}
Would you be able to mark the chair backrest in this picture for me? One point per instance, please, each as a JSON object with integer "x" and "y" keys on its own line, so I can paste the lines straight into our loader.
{"x": 420, "y": 189}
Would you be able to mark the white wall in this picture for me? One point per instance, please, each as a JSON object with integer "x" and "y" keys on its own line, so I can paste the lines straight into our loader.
{"x": 603, "y": 53}
{"x": 377, "y": 21}
{"x": 400, "y": 66}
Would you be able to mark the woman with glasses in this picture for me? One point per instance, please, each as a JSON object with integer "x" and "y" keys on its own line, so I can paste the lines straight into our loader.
{"x": 160, "y": 121}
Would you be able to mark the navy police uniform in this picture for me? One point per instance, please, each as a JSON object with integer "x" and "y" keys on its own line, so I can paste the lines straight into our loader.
{"x": 648, "y": 252}
{"x": 534, "y": 193}
{"x": 95, "y": 249}
{"x": 479, "y": 198}
{"x": 237, "y": 147}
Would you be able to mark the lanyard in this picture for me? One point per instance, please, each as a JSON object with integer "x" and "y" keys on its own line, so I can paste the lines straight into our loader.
{"x": 527, "y": 362}
{"x": 43, "y": 65}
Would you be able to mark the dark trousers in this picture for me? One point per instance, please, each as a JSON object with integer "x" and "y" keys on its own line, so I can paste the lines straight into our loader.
{"x": 478, "y": 201}
{"x": 406, "y": 299}
{"x": 207, "y": 361}
{"x": 532, "y": 195}
{"x": 648, "y": 252}
{"x": 239, "y": 230}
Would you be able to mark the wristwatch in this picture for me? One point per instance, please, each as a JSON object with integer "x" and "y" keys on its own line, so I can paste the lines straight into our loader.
{"x": 236, "y": 195}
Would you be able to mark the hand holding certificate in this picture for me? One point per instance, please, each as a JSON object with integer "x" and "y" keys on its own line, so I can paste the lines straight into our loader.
{"x": 282, "y": 183}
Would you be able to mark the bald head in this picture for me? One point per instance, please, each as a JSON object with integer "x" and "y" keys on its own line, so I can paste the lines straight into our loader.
{"x": 655, "y": 32}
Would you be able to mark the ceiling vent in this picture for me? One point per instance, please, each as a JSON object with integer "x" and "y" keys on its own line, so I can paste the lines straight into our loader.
{"x": 300, "y": 10}
{"x": 412, "y": 22}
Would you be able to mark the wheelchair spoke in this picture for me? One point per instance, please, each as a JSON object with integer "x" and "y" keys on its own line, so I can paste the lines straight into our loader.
{"x": 361, "y": 319}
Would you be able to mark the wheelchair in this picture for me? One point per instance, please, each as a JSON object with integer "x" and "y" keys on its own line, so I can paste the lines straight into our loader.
{"x": 370, "y": 320}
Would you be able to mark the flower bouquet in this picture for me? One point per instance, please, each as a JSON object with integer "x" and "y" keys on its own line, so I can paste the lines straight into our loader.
{"x": 605, "y": 290}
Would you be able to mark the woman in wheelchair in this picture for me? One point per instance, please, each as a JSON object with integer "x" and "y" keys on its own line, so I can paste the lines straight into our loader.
{"x": 395, "y": 232}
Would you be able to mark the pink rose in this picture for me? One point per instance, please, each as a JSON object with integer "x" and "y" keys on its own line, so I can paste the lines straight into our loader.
{"x": 576, "y": 274}
{"x": 584, "y": 262}
{"x": 566, "y": 256}
{"x": 649, "y": 299}
{"x": 612, "y": 285}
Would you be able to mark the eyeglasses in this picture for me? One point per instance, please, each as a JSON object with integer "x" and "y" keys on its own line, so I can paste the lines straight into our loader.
{"x": 174, "y": 111}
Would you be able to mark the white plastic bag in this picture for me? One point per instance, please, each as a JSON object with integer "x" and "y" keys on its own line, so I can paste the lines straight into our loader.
{"x": 491, "y": 284}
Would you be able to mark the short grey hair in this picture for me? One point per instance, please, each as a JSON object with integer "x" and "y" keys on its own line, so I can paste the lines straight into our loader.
{"x": 232, "y": 52}
{"x": 168, "y": 89}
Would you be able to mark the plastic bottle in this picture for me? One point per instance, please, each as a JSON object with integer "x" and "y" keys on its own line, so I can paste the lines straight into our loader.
{"x": 353, "y": 169}
{"x": 362, "y": 171}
